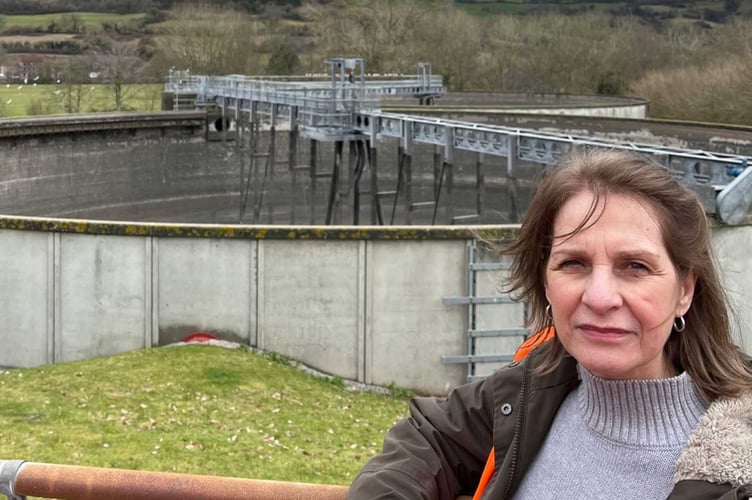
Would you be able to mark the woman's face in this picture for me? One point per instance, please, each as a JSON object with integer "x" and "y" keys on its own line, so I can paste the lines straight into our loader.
{"x": 613, "y": 290}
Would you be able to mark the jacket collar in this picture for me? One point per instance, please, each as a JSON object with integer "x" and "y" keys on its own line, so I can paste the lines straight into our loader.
{"x": 720, "y": 448}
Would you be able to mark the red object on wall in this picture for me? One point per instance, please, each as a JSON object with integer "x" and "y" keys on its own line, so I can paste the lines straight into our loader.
{"x": 199, "y": 337}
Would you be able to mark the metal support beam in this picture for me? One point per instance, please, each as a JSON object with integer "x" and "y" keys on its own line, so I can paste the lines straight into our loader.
{"x": 332, "y": 205}
{"x": 292, "y": 159}
{"x": 403, "y": 162}
{"x": 480, "y": 186}
{"x": 373, "y": 164}
{"x": 271, "y": 160}
{"x": 312, "y": 154}
{"x": 512, "y": 160}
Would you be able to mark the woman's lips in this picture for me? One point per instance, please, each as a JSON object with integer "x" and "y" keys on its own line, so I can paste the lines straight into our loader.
{"x": 604, "y": 333}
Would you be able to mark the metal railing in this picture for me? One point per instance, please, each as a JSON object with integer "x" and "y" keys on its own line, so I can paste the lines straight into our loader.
{"x": 722, "y": 181}
{"x": 328, "y": 103}
{"x": 19, "y": 479}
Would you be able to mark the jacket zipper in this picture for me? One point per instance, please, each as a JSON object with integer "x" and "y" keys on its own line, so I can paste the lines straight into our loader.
{"x": 517, "y": 432}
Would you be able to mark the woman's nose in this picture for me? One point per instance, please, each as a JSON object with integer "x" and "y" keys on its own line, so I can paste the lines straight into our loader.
{"x": 602, "y": 290}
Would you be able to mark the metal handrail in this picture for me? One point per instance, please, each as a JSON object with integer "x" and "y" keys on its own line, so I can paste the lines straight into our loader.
{"x": 19, "y": 479}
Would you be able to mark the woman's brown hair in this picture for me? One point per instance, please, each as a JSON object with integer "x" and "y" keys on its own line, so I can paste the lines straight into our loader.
{"x": 705, "y": 349}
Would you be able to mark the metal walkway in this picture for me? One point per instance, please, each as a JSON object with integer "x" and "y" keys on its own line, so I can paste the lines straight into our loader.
{"x": 344, "y": 107}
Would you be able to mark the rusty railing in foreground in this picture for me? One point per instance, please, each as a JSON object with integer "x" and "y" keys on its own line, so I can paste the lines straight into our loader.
{"x": 19, "y": 479}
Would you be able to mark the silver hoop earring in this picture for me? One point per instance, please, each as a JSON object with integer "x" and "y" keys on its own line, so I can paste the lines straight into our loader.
{"x": 679, "y": 324}
{"x": 548, "y": 312}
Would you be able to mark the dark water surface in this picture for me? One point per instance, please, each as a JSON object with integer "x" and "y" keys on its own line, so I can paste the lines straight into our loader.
{"x": 189, "y": 180}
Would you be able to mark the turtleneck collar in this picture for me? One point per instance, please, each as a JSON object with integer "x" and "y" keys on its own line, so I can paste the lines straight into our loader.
{"x": 655, "y": 413}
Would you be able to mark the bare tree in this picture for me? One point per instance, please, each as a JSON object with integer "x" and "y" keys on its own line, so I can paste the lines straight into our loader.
{"x": 588, "y": 53}
{"x": 209, "y": 39}
{"x": 73, "y": 86}
{"x": 381, "y": 32}
{"x": 711, "y": 89}
{"x": 120, "y": 68}
{"x": 281, "y": 45}
{"x": 450, "y": 40}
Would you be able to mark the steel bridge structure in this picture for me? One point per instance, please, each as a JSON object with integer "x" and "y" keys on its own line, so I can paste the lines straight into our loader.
{"x": 343, "y": 106}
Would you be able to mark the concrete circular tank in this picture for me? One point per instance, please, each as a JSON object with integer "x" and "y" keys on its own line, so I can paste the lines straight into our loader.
{"x": 181, "y": 167}
{"x": 120, "y": 232}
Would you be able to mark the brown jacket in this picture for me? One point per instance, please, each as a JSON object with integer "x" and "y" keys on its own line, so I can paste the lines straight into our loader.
{"x": 440, "y": 450}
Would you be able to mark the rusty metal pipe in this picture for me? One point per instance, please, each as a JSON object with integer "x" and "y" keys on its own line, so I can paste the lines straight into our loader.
{"x": 97, "y": 483}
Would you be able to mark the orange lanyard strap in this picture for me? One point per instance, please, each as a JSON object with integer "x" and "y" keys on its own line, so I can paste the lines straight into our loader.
{"x": 534, "y": 341}
{"x": 485, "y": 478}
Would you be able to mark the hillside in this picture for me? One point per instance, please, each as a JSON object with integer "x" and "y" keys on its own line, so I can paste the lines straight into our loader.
{"x": 678, "y": 54}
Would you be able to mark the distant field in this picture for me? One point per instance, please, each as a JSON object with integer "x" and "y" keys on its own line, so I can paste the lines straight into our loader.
{"x": 92, "y": 21}
{"x": 23, "y": 100}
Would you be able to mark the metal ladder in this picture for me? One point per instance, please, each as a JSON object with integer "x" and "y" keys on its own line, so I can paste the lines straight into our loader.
{"x": 475, "y": 335}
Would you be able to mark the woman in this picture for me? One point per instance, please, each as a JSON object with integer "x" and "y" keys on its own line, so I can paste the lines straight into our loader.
{"x": 640, "y": 393}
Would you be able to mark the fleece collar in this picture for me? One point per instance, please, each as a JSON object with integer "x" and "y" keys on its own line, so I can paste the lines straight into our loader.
{"x": 720, "y": 448}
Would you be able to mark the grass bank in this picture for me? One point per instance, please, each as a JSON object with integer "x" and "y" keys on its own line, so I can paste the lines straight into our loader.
{"x": 193, "y": 409}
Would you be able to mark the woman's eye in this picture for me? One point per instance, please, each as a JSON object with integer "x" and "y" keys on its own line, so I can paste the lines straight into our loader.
{"x": 637, "y": 266}
{"x": 570, "y": 263}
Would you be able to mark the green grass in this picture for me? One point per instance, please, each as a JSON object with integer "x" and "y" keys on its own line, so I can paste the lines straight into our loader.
{"x": 23, "y": 100}
{"x": 195, "y": 409}
{"x": 92, "y": 21}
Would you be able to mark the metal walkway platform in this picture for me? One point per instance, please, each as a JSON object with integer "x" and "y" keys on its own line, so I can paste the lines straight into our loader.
{"x": 344, "y": 106}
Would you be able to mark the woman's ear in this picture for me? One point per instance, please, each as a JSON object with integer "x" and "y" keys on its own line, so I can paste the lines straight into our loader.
{"x": 687, "y": 293}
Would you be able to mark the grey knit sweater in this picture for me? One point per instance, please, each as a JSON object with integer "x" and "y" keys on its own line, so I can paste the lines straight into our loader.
{"x": 615, "y": 439}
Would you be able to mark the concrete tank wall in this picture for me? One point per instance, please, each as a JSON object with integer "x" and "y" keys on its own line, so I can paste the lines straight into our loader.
{"x": 637, "y": 111}
{"x": 169, "y": 172}
{"x": 361, "y": 303}
{"x": 530, "y": 103}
